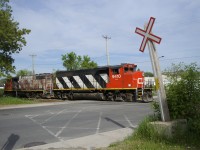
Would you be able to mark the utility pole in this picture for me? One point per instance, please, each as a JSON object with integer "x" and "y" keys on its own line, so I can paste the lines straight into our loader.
{"x": 107, "y": 53}
{"x": 33, "y": 71}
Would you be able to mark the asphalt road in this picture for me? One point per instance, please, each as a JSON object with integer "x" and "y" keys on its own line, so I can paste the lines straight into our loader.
{"x": 25, "y": 127}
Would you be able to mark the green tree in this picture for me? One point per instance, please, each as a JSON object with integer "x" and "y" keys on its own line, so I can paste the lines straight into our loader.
{"x": 71, "y": 61}
{"x": 87, "y": 63}
{"x": 11, "y": 38}
{"x": 23, "y": 72}
{"x": 148, "y": 74}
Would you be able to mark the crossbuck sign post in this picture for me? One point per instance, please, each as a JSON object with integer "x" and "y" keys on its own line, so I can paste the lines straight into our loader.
{"x": 149, "y": 38}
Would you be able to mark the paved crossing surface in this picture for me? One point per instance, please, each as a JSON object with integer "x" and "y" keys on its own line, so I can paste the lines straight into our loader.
{"x": 25, "y": 127}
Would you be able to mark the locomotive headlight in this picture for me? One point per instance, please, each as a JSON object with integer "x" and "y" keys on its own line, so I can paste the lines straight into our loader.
{"x": 129, "y": 85}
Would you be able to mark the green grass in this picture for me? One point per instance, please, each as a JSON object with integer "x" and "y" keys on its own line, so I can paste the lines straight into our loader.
{"x": 141, "y": 144}
{"x": 1, "y": 92}
{"x": 146, "y": 138}
{"x": 14, "y": 101}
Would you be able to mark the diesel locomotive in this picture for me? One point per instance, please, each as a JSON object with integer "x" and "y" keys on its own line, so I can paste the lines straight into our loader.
{"x": 119, "y": 82}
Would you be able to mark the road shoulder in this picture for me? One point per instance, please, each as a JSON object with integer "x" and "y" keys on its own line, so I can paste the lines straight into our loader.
{"x": 99, "y": 140}
{"x": 3, "y": 107}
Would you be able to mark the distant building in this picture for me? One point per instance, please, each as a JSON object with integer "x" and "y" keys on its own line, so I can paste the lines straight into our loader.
{"x": 151, "y": 80}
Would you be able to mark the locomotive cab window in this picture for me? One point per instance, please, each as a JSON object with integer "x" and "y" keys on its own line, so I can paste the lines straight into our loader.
{"x": 125, "y": 69}
{"x": 115, "y": 71}
{"x": 131, "y": 69}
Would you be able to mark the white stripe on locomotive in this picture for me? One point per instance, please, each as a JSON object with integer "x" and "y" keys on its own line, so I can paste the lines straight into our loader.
{"x": 69, "y": 84}
{"x": 104, "y": 77}
{"x": 60, "y": 86}
{"x": 80, "y": 82}
{"x": 93, "y": 81}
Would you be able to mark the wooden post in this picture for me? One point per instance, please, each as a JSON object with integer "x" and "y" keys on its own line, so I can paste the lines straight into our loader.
{"x": 159, "y": 82}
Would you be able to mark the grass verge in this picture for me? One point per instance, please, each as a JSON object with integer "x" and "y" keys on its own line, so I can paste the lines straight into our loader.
{"x": 145, "y": 137}
{"x": 1, "y": 92}
{"x": 15, "y": 101}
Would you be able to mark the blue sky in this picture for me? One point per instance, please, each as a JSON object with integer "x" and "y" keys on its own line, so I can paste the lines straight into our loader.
{"x": 61, "y": 26}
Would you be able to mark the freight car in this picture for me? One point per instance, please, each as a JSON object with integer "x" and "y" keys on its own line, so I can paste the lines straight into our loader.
{"x": 119, "y": 82}
{"x": 37, "y": 86}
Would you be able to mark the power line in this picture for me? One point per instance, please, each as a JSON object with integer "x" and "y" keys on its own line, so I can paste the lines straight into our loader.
{"x": 172, "y": 59}
{"x": 102, "y": 57}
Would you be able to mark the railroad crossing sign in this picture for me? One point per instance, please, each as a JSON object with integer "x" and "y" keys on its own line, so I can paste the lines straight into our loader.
{"x": 147, "y": 35}
{"x": 149, "y": 39}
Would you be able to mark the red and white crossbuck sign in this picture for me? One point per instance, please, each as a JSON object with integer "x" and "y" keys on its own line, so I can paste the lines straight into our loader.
{"x": 147, "y": 35}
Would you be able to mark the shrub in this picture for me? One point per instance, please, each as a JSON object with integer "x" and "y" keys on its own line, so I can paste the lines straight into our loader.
{"x": 146, "y": 131}
{"x": 183, "y": 94}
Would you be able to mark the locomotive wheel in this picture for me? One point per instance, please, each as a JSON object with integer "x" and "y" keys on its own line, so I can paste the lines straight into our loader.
{"x": 70, "y": 96}
{"x": 146, "y": 98}
{"x": 124, "y": 98}
{"x": 58, "y": 95}
{"x": 150, "y": 97}
{"x": 111, "y": 98}
{"x": 129, "y": 97}
{"x": 114, "y": 98}
{"x": 64, "y": 96}
{"x": 37, "y": 96}
{"x": 33, "y": 95}
{"x": 28, "y": 95}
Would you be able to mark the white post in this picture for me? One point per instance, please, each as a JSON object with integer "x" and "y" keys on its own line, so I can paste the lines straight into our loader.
{"x": 107, "y": 53}
{"x": 33, "y": 70}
